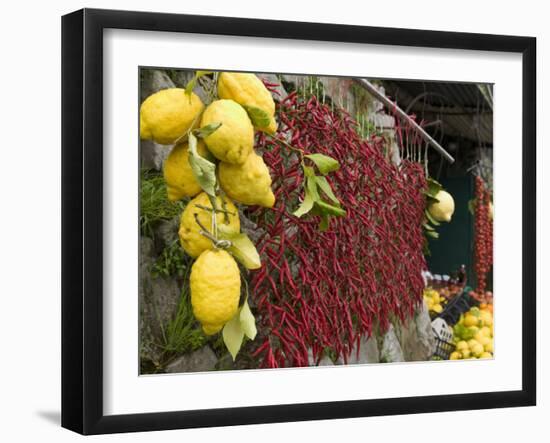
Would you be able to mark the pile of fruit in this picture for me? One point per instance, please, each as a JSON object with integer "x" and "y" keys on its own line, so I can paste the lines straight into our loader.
{"x": 213, "y": 162}
{"x": 473, "y": 334}
{"x": 434, "y": 300}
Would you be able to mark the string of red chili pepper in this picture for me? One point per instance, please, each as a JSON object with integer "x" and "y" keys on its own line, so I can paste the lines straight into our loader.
{"x": 483, "y": 235}
{"x": 321, "y": 291}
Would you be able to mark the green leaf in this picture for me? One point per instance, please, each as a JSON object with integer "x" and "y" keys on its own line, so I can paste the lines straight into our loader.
{"x": 248, "y": 322}
{"x": 203, "y": 170}
{"x": 258, "y": 117}
{"x": 324, "y": 163}
{"x": 330, "y": 209}
{"x": 430, "y": 218}
{"x": 305, "y": 206}
{"x": 432, "y": 234}
{"x": 310, "y": 195}
{"x": 324, "y": 185}
{"x": 233, "y": 335}
{"x": 243, "y": 250}
{"x": 193, "y": 82}
{"x": 433, "y": 187}
{"x": 311, "y": 186}
{"x": 325, "y": 222}
{"x": 431, "y": 199}
{"x": 309, "y": 171}
{"x": 207, "y": 130}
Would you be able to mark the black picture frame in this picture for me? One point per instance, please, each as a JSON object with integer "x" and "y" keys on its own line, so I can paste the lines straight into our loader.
{"x": 82, "y": 220}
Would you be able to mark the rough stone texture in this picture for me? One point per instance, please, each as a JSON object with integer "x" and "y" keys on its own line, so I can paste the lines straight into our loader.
{"x": 416, "y": 336}
{"x": 339, "y": 89}
{"x": 158, "y": 301}
{"x": 166, "y": 233}
{"x": 200, "y": 360}
{"x": 325, "y": 361}
{"x": 272, "y": 78}
{"x": 153, "y": 155}
{"x": 297, "y": 80}
{"x": 153, "y": 80}
{"x": 250, "y": 228}
{"x": 368, "y": 352}
{"x": 391, "y": 348}
{"x": 181, "y": 77}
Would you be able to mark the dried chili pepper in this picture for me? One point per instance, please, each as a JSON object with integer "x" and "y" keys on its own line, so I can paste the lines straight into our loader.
{"x": 327, "y": 290}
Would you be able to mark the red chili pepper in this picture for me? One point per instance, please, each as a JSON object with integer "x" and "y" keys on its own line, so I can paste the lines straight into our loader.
{"x": 332, "y": 286}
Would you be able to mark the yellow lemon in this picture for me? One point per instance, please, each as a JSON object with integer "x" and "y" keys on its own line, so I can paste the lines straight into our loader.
{"x": 249, "y": 183}
{"x": 486, "y": 318}
{"x": 233, "y": 141}
{"x": 455, "y": 356}
{"x": 215, "y": 284}
{"x": 438, "y": 308}
{"x": 192, "y": 241}
{"x": 489, "y": 347}
{"x": 167, "y": 115}
{"x": 484, "y": 341}
{"x": 461, "y": 345}
{"x": 465, "y": 353}
{"x": 180, "y": 181}
{"x": 477, "y": 349}
{"x": 486, "y": 355}
{"x": 470, "y": 320}
{"x": 486, "y": 331}
{"x": 248, "y": 90}
{"x": 444, "y": 209}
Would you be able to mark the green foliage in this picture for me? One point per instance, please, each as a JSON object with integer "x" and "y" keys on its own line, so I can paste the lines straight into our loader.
{"x": 315, "y": 188}
{"x": 258, "y": 117}
{"x": 171, "y": 262}
{"x": 324, "y": 163}
{"x": 243, "y": 250}
{"x": 183, "y": 333}
{"x": 193, "y": 82}
{"x": 153, "y": 201}
{"x": 207, "y": 130}
{"x": 203, "y": 170}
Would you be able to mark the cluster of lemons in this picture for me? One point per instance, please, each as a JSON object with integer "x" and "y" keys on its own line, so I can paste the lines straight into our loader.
{"x": 167, "y": 117}
{"x": 434, "y": 300}
{"x": 473, "y": 334}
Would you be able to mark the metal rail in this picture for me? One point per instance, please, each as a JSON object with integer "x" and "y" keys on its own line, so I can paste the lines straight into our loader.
{"x": 365, "y": 84}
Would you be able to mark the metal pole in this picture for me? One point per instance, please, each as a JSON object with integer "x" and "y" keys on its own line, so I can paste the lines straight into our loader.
{"x": 403, "y": 116}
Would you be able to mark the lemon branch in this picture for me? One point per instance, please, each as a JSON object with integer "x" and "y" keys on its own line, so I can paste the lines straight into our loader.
{"x": 292, "y": 148}
{"x": 219, "y": 244}
{"x": 222, "y": 211}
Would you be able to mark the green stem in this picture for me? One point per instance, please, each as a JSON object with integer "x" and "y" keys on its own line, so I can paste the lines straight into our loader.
{"x": 223, "y": 211}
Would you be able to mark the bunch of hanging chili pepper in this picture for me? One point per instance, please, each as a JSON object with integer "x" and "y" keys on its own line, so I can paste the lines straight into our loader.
{"x": 483, "y": 235}
{"x": 320, "y": 291}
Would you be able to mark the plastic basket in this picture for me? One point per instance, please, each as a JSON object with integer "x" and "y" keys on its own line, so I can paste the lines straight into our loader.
{"x": 443, "y": 339}
{"x": 443, "y": 349}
